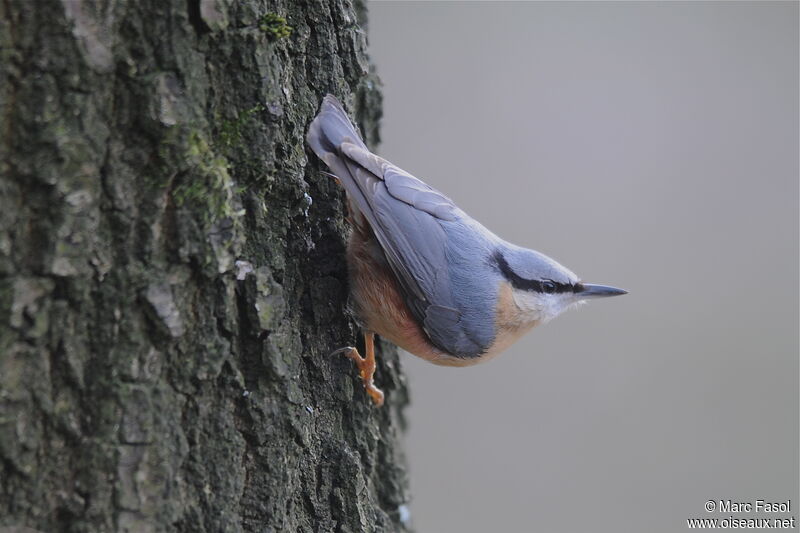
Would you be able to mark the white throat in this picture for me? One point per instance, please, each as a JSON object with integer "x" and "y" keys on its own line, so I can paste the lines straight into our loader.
{"x": 543, "y": 307}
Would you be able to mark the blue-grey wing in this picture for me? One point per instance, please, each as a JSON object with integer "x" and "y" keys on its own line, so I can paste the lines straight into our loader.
{"x": 409, "y": 220}
{"x": 406, "y": 216}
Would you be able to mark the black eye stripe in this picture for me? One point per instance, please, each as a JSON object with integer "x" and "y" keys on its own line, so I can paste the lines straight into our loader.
{"x": 548, "y": 285}
{"x": 543, "y": 286}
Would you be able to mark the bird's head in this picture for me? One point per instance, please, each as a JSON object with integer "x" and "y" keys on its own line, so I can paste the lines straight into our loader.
{"x": 542, "y": 289}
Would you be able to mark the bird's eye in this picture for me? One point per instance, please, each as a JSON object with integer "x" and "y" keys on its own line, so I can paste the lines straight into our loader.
{"x": 548, "y": 286}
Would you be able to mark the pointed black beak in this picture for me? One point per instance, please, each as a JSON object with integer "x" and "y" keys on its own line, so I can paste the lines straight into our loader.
{"x": 599, "y": 291}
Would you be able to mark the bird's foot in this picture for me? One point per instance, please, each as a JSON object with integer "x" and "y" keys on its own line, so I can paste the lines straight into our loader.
{"x": 366, "y": 368}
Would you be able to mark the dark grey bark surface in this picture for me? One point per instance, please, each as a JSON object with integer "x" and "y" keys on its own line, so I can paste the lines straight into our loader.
{"x": 172, "y": 275}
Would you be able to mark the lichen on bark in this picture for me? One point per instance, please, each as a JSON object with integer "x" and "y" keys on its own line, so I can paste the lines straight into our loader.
{"x": 172, "y": 276}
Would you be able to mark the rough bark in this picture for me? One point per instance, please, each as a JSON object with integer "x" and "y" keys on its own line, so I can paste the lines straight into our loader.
{"x": 172, "y": 275}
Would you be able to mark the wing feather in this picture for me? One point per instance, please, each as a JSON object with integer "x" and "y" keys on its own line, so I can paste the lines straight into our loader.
{"x": 406, "y": 216}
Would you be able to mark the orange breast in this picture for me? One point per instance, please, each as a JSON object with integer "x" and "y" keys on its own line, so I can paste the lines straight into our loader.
{"x": 379, "y": 303}
{"x": 381, "y": 307}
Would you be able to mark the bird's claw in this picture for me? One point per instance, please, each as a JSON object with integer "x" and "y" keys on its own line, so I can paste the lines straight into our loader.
{"x": 346, "y": 350}
{"x": 366, "y": 370}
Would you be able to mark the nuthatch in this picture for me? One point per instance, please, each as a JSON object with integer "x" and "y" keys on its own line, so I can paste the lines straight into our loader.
{"x": 426, "y": 275}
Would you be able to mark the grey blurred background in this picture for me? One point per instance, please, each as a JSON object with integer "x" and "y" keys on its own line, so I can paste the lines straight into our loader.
{"x": 652, "y": 146}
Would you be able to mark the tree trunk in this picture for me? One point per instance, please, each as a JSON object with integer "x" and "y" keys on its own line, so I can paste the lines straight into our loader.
{"x": 172, "y": 276}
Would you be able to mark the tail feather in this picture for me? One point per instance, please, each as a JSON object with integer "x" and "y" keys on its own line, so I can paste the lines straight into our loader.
{"x": 328, "y": 132}
{"x": 331, "y": 128}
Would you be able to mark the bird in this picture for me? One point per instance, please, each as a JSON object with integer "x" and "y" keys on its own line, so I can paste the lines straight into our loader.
{"x": 423, "y": 273}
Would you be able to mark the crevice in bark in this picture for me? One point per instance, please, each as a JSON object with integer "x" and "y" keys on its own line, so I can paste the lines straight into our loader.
{"x": 193, "y": 11}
